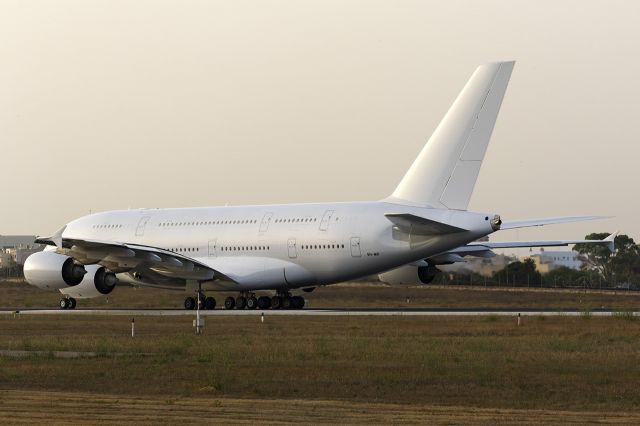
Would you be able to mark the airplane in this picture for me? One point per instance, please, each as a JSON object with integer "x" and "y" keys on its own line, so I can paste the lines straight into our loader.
{"x": 281, "y": 248}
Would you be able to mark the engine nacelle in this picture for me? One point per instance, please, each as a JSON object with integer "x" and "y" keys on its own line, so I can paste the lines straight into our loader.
{"x": 52, "y": 271}
{"x": 409, "y": 275}
{"x": 97, "y": 282}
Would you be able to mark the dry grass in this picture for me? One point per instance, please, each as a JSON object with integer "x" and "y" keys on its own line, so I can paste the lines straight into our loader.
{"x": 18, "y": 294}
{"x": 560, "y": 363}
{"x": 326, "y": 369}
{"x": 20, "y": 407}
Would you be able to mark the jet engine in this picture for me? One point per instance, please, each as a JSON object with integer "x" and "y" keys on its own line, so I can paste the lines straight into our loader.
{"x": 52, "y": 271}
{"x": 409, "y": 275}
{"x": 97, "y": 282}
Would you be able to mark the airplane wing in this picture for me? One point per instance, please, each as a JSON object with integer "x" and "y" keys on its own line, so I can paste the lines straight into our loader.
{"x": 513, "y": 224}
{"x": 485, "y": 248}
{"x": 146, "y": 264}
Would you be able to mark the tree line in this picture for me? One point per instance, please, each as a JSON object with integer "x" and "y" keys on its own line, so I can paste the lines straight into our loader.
{"x": 601, "y": 269}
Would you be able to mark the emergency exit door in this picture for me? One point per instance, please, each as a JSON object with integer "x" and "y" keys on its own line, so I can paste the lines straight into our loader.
{"x": 356, "y": 251}
{"x": 291, "y": 248}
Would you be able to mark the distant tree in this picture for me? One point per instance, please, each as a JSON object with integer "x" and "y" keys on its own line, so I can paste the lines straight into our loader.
{"x": 568, "y": 277}
{"x": 623, "y": 266}
{"x": 519, "y": 274}
{"x": 464, "y": 278}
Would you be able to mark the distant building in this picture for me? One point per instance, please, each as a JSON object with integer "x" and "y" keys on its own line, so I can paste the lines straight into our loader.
{"x": 16, "y": 248}
{"x": 480, "y": 265}
{"x": 546, "y": 261}
{"x": 21, "y": 254}
{"x": 5, "y": 259}
{"x": 18, "y": 241}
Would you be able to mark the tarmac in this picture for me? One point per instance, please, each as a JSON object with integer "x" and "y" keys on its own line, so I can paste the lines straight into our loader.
{"x": 320, "y": 312}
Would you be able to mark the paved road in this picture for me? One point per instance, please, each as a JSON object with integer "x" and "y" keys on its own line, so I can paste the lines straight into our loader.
{"x": 319, "y": 312}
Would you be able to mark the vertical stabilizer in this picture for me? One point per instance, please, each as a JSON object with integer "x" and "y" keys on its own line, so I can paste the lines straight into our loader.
{"x": 447, "y": 168}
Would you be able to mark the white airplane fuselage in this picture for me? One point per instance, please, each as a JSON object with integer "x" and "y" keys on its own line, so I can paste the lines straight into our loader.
{"x": 283, "y": 246}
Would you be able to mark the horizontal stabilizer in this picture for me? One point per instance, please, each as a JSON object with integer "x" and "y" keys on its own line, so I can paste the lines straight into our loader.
{"x": 609, "y": 242}
{"x": 413, "y": 224}
{"x": 513, "y": 224}
{"x": 484, "y": 248}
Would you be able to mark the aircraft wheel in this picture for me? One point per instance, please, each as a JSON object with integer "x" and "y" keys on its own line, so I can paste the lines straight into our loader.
{"x": 264, "y": 302}
{"x": 241, "y": 302}
{"x": 252, "y": 303}
{"x": 210, "y": 303}
{"x": 276, "y": 302}
{"x": 64, "y": 304}
{"x": 72, "y": 303}
{"x": 297, "y": 302}
{"x": 286, "y": 302}
{"x": 229, "y": 303}
{"x": 189, "y": 303}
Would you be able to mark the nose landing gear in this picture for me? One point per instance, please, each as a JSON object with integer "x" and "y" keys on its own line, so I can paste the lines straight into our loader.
{"x": 67, "y": 303}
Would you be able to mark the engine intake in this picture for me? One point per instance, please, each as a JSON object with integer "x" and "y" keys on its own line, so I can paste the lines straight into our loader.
{"x": 97, "y": 282}
{"x": 409, "y": 275}
{"x": 50, "y": 270}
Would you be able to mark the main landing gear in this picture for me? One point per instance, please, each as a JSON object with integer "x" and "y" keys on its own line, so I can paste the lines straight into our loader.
{"x": 248, "y": 300}
{"x": 208, "y": 303}
{"x": 67, "y": 303}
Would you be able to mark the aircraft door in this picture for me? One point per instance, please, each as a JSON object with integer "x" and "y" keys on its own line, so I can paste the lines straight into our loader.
{"x": 266, "y": 220}
{"x": 355, "y": 247}
{"x": 291, "y": 247}
{"x": 326, "y": 218}
{"x": 212, "y": 248}
{"x": 141, "y": 225}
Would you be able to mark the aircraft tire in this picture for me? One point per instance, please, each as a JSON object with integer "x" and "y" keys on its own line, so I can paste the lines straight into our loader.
{"x": 189, "y": 303}
{"x": 297, "y": 302}
{"x": 210, "y": 303}
{"x": 276, "y": 302}
{"x": 241, "y": 302}
{"x": 252, "y": 303}
{"x": 72, "y": 303}
{"x": 286, "y": 302}
{"x": 264, "y": 302}
{"x": 64, "y": 304}
{"x": 229, "y": 303}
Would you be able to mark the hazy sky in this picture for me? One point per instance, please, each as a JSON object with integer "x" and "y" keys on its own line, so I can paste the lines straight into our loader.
{"x": 115, "y": 104}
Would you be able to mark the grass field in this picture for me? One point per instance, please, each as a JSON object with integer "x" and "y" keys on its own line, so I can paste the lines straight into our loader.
{"x": 325, "y": 369}
{"x": 577, "y": 364}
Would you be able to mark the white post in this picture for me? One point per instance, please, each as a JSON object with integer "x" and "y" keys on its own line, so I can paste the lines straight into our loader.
{"x": 133, "y": 327}
{"x": 262, "y": 317}
{"x": 198, "y": 314}
{"x": 518, "y": 319}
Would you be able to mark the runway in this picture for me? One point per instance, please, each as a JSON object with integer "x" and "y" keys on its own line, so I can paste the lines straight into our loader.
{"x": 426, "y": 312}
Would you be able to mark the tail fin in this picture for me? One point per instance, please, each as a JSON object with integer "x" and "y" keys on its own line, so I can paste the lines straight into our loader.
{"x": 446, "y": 170}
